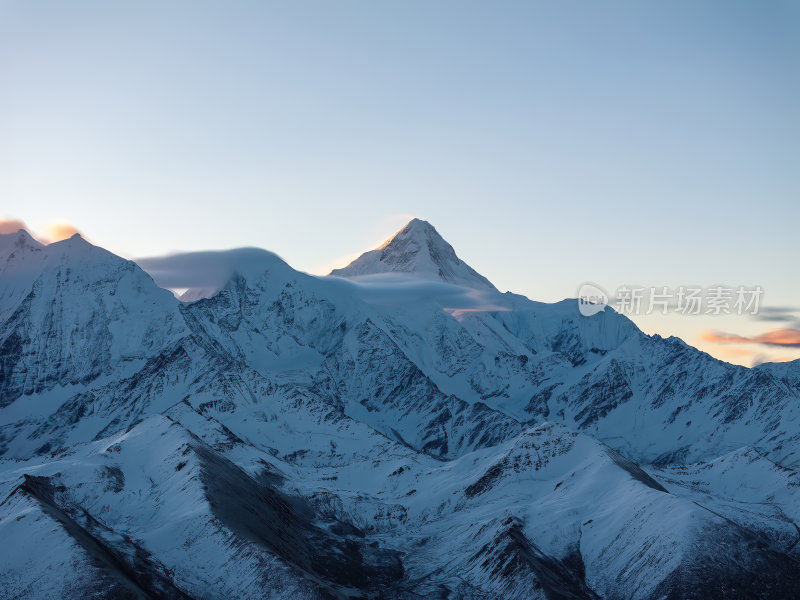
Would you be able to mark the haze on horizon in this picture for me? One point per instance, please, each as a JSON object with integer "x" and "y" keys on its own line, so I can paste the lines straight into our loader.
{"x": 551, "y": 145}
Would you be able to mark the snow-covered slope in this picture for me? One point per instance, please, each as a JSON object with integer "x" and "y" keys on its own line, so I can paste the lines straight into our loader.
{"x": 788, "y": 372}
{"x": 78, "y": 313}
{"x": 409, "y": 436}
{"x": 20, "y": 262}
{"x": 181, "y": 505}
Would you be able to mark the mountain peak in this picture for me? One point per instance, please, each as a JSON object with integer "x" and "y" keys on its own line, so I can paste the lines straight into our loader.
{"x": 76, "y": 239}
{"x": 418, "y": 250}
{"x": 18, "y": 250}
{"x": 18, "y": 239}
{"x": 415, "y": 227}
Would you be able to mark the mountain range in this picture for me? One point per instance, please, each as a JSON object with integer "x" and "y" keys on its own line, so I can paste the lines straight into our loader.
{"x": 397, "y": 429}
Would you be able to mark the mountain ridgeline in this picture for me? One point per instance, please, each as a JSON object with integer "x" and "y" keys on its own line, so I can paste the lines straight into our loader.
{"x": 398, "y": 429}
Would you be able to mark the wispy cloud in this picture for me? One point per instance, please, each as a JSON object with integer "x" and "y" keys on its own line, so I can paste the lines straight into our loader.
{"x": 786, "y": 315}
{"x": 207, "y": 271}
{"x": 784, "y": 337}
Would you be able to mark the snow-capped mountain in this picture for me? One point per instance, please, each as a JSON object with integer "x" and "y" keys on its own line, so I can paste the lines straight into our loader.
{"x": 419, "y": 250}
{"x": 405, "y": 436}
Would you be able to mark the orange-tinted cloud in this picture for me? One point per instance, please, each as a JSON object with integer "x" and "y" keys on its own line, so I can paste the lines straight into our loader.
{"x": 55, "y": 232}
{"x": 724, "y": 338}
{"x": 60, "y": 231}
{"x": 774, "y": 337}
{"x": 11, "y": 225}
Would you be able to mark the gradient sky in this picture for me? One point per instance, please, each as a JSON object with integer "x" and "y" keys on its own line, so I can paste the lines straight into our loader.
{"x": 552, "y": 143}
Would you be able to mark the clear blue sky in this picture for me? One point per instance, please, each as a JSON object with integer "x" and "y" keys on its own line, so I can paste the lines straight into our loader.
{"x": 550, "y": 142}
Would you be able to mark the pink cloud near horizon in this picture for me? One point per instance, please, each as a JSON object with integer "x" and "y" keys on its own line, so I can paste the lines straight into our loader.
{"x": 785, "y": 337}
